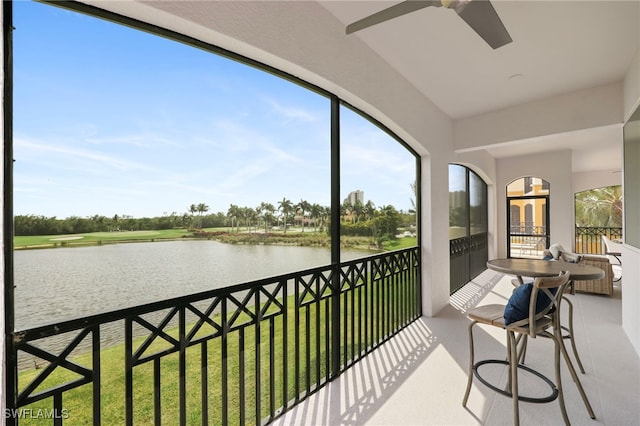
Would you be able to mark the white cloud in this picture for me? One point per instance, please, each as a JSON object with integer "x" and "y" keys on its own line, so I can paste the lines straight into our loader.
{"x": 140, "y": 140}
{"x": 292, "y": 113}
{"x": 53, "y": 152}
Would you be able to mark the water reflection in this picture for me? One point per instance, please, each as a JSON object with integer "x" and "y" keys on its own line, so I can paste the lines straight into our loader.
{"x": 59, "y": 284}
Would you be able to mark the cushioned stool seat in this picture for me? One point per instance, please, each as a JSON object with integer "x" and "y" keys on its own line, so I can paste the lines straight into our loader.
{"x": 488, "y": 314}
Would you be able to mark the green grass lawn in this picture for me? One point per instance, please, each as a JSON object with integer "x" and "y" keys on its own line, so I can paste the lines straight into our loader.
{"x": 400, "y": 243}
{"x": 92, "y": 238}
{"x": 241, "y": 358}
{"x": 308, "y": 238}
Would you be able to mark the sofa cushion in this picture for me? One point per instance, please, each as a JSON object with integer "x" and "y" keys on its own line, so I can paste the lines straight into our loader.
{"x": 555, "y": 250}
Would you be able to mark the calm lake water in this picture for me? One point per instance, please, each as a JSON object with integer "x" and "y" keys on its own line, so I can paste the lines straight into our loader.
{"x": 54, "y": 285}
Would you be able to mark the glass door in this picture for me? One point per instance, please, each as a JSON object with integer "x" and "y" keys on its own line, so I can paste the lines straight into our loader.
{"x": 468, "y": 224}
{"x": 527, "y": 217}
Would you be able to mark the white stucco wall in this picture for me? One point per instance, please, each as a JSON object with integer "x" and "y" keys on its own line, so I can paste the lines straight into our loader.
{"x": 631, "y": 295}
{"x": 631, "y": 255}
{"x": 631, "y": 86}
{"x": 435, "y": 235}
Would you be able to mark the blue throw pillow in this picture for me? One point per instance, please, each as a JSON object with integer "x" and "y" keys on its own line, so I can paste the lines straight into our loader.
{"x": 518, "y": 305}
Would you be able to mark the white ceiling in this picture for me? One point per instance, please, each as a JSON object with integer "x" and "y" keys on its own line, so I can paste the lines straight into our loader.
{"x": 558, "y": 47}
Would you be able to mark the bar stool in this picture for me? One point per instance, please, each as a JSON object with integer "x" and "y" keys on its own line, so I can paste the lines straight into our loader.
{"x": 543, "y": 313}
{"x": 517, "y": 282}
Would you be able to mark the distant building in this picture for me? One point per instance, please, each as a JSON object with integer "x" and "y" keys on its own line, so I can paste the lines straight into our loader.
{"x": 355, "y": 196}
{"x": 528, "y": 215}
{"x": 457, "y": 199}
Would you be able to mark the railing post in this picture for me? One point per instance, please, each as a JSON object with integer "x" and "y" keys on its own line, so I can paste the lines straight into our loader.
{"x": 335, "y": 238}
{"x": 182, "y": 365}
{"x": 224, "y": 358}
{"x": 10, "y": 355}
{"x": 96, "y": 348}
{"x": 128, "y": 368}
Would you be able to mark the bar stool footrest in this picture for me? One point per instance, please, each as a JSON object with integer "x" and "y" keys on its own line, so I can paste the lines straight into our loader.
{"x": 537, "y": 400}
{"x": 563, "y": 328}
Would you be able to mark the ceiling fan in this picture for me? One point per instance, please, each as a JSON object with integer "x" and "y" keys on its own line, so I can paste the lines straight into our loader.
{"x": 478, "y": 14}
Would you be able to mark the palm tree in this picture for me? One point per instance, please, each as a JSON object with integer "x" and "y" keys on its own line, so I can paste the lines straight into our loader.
{"x": 193, "y": 209}
{"x": 326, "y": 214}
{"x": 185, "y": 220}
{"x": 285, "y": 206}
{"x": 271, "y": 212}
{"x": 600, "y": 207}
{"x": 389, "y": 220}
{"x": 369, "y": 210}
{"x": 357, "y": 211}
{"x": 233, "y": 213}
{"x": 303, "y": 206}
{"x": 248, "y": 214}
{"x": 266, "y": 211}
{"x": 201, "y": 208}
{"x": 258, "y": 215}
{"x": 315, "y": 212}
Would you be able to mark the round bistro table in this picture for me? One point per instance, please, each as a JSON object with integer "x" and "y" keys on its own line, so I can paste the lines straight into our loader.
{"x": 544, "y": 268}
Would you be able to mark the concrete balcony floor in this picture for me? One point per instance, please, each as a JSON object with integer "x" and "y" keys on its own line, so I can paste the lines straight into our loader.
{"x": 419, "y": 377}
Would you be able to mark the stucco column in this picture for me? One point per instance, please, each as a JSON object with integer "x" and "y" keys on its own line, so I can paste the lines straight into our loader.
{"x": 435, "y": 234}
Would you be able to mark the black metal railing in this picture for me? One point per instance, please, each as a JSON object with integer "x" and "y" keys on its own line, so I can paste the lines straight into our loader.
{"x": 236, "y": 355}
{"x": 527, "y": 240}
{"x": 589, "y": 241}
{"x": 467, "y": 259}
{"x": 527, "y": 228}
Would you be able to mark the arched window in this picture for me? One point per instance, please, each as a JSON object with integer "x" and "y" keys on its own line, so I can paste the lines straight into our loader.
{"x": 468, "y": 224}
{"x": 528, "y": 214}
{"x": 208, "y": 142}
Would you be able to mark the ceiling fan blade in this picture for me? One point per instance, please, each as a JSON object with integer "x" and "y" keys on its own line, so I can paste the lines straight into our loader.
{"x": 394, "y": 11}
{"x": 482, "y": 17}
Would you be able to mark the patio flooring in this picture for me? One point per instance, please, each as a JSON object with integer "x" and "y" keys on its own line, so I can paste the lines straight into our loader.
{"x": 419, "y": 376}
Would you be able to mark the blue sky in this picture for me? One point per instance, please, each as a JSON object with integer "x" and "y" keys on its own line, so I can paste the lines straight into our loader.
{"x": 109, "y": 120}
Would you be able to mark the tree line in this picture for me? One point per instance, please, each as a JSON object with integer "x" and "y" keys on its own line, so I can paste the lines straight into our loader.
{"x": 357, "y": 219}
